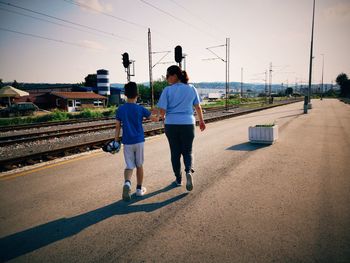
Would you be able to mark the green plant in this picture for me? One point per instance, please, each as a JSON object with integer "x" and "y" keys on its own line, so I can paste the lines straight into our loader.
{"x": 110, "y": 112}
{"x": 265, "y": 125}
{"x": 88, "y": 113}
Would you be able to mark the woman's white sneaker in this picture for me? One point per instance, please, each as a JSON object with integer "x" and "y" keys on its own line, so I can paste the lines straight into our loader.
{"x": 141, "y": 192}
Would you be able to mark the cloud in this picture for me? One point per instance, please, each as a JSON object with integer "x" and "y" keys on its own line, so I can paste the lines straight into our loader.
{"x": 96, "y": 4}
{"x": 93, "y": 45}
{"x": 340, "y": 10}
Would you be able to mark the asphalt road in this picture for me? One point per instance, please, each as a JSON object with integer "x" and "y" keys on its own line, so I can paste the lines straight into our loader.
{"x": 288, "y": 202}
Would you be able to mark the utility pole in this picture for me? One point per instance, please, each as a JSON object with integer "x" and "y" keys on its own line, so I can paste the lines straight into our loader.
{"x": 184, "y": 58}
{"x": 266, "y": 86}
{"x": 242, "y": 82}
{"x": 227, "y": 71}
{"x": 311, "y": 56}
{"x": 270, "y": 80}
{"x": 227, "y": 68}
{"x": 128, "y": 74}
{"x": 150, "y": 67}
{"x": 322, "y": 75}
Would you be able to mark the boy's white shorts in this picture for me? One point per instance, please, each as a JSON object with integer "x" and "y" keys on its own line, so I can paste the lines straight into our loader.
{"x": 133, "y": 155}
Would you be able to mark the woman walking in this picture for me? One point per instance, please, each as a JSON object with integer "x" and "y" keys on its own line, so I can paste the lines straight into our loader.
{"x": 176, "y": 106}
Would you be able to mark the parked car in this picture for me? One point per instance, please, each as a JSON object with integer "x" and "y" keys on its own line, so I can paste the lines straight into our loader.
{"x": 19, "y": 109}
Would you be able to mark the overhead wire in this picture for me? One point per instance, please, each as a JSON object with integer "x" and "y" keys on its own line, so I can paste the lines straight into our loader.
{"x": 120, "y": 19}
{"x": 48, "y": 38}
{"x": 177, "y": 18}
{"x": 105, "y": 13}
{"x": 67, "y": 21}
{"x": 52, "y": 22}
{"x": 194, "y": 15}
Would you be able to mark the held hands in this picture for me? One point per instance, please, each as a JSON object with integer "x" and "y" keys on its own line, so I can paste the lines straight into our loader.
{"x": 154, "y": 118}
{"x": 154, "y": 115}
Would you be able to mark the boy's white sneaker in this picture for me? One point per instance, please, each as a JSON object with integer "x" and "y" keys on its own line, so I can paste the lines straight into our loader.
{"x": 141, "y": 192}
{"x": 126, "y": 192}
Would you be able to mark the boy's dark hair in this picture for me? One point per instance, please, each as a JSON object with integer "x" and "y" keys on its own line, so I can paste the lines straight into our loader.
{"x": 131, "y": 90}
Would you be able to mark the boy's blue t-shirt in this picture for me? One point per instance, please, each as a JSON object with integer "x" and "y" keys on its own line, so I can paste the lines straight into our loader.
{"x": 178, "y": 101}
{"x": 131, "y": 116}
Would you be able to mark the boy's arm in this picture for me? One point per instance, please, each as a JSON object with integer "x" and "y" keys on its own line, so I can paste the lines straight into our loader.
{"x": 117, "y": 131}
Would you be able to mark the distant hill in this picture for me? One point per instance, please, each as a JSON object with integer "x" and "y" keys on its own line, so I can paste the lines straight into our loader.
{"x": 29, "y": 86}
{"x": 256, "y": 87}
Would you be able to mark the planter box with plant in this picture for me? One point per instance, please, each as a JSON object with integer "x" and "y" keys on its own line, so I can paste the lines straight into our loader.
{"x": 265, "y": 133}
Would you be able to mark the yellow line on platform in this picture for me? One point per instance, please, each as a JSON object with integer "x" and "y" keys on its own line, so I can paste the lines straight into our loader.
{"x": 12, "y": 176}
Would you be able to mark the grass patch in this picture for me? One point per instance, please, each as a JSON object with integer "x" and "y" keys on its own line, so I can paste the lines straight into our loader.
{"x": 234, "y": 102}
{"x": 58, "y": 115}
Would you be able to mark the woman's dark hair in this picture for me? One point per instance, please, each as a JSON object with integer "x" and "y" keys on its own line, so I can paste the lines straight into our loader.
{"x": 131, "y": 90}
{"x": 181, "y": 74}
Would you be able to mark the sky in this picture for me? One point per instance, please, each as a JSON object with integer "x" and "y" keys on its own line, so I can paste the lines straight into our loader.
{"x": 260, "y": 31}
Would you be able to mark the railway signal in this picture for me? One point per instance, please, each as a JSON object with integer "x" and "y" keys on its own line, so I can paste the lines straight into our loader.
{"x": 126, "y": 63}
{"x": 178, "y": 55}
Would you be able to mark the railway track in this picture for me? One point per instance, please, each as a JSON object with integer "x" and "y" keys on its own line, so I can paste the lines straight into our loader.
{"x": 67, "y": 131}
{"x": 49, "y": 124}
{"x": 22, "y": 138}
{"x": 150, "y": 130}
{"x": 76, "y": 121}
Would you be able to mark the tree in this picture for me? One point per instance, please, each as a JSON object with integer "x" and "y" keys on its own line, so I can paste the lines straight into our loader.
{"x": 15, "y": 84}
{"x": 341, "y": 79}
{"x": 289, "y": 91}
{"x": 344, "y": 83}
{"x": 158, "y": 87}
{"x": 1, "y": 83}
{"x": 91, "y": 81}
{"x": 331, "y": 93}
{"x": 144, "y": 93}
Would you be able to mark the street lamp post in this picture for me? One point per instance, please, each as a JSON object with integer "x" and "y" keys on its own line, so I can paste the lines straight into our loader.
{"x": 311, "y": 56}
{"x": 241, "y": 82}
{"x": 322, "y": 75}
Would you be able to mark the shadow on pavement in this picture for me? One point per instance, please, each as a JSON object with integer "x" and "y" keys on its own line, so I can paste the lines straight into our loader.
{"x": 247, "y": 146}
{"x": 271, "y": 114}
{"x": 292, "y": 115}
{"x": 37, "y": 237}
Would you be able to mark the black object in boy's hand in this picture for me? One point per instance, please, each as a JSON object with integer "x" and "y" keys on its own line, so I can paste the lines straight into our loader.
{"x": 112, "y": 147}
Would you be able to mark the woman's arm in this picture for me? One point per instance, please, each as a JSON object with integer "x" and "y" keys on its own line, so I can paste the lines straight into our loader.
{"x": 199, "y": 111}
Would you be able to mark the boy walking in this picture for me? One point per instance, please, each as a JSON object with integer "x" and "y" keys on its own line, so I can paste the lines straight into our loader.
{"x": 130, "y": 116}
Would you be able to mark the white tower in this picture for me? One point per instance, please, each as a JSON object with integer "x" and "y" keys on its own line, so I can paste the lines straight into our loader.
{"x": 103, "y": 87}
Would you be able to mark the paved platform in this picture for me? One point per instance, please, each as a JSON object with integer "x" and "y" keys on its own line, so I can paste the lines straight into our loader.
{"x": 288, "y": 202}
